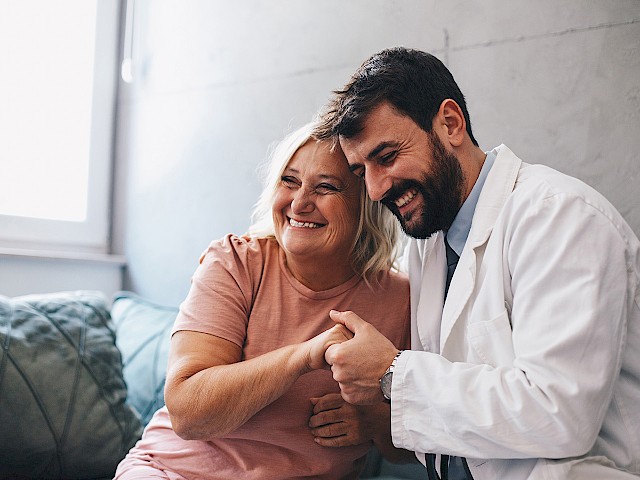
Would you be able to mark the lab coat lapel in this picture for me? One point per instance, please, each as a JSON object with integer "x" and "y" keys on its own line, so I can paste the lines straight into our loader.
{"x": 427, "y": 291}
{"x": 498, "y": 186}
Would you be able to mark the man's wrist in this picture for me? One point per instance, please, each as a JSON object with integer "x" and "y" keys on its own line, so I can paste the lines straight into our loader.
{"x": 386, "y": 380}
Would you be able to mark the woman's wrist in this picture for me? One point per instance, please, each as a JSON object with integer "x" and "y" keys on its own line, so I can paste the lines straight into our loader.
{"x": 299, "y": 358}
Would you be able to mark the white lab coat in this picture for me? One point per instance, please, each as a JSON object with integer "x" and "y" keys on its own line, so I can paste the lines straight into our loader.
{"x": 533, "y": 370}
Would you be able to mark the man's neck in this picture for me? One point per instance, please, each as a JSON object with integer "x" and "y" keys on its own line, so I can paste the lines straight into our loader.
{"x": 471, "y": 161}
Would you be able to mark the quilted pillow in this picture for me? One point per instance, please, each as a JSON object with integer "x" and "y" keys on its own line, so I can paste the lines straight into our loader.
{"x": 143, "y": 329}
{"x": 63, "y": 410}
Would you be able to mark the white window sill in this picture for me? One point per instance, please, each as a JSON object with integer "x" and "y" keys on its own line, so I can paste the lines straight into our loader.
{"x": 23, "y": 253}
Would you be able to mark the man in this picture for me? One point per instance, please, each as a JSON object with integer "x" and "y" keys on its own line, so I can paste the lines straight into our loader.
{"x": 528, "y": 364}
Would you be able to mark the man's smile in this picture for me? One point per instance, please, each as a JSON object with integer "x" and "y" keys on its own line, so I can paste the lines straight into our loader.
{"x": 406, "y": 197}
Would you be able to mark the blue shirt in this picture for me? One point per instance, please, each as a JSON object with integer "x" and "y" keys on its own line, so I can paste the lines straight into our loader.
{"x": 461, "y": 226}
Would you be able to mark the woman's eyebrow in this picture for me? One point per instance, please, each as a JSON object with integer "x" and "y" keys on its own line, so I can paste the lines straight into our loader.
{"x": 319, "y": 176}
{"x": 326, "y": 176}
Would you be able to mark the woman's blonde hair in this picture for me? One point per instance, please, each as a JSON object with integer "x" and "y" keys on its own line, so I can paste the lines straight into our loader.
{"x": 376, "y": 245}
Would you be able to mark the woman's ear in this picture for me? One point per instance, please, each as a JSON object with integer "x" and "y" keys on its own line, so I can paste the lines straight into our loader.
{"x": 452, "y": 122}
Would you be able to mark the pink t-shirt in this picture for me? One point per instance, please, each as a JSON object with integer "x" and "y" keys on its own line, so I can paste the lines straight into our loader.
{"x": 244, "y": 293}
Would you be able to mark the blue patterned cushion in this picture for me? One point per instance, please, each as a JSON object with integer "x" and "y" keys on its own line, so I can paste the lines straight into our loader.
{"x": 142, "y": 330}
{"x": 63, "y": 410}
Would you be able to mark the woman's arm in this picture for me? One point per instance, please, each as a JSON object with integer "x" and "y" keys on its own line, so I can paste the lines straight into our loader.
{"x": 210, "y": 392}
{"x": 336, "y": 423}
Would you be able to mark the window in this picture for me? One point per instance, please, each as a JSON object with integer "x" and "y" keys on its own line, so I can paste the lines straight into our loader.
{"x": 57, "y": 91}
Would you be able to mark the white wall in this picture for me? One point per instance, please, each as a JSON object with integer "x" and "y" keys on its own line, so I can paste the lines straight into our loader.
{"x": 215, "y": 82}
{"x": 24, "y": 274}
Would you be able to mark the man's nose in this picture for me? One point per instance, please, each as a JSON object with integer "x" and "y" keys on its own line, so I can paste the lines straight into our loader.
{"x": 301, "y": 202}
{"x": 377, "y": 183}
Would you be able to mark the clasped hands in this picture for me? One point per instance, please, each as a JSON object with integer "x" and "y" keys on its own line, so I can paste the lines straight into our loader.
{"x": 358, "y": 355}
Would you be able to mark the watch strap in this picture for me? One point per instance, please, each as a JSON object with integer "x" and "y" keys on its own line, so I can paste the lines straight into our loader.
{"x": 387, "y": 378}
{"x": 394, "y": 361}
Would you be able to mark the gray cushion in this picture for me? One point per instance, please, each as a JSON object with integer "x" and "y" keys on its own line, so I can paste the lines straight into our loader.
{"x": 63, "y": 410}
{"x": 143, "y": 329}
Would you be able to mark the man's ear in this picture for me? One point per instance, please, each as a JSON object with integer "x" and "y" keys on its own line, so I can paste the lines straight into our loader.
{"x": 451, "y": 122}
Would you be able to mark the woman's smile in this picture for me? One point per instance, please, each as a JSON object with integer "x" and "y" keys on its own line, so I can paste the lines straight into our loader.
{"x": 304, "y": 224}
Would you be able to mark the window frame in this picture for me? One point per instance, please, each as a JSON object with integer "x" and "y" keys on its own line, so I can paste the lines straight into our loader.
{"x": 93, "y": 234}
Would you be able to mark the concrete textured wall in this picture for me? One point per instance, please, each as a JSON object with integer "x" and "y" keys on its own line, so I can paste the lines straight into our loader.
{"x": 215, "y": 83}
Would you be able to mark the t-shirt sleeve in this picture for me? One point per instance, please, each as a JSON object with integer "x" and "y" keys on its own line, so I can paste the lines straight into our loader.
{"x": 222, "y": 289}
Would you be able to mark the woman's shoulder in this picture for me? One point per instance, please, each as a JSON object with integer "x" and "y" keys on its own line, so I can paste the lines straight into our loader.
{"x": 236, "y": 260}
{"x": 243, "y": 247}
{"x": 398, "y": 276}
{"x": 393, "y": 280}
{"x": 238, "y": 242}
{"x": 387, "y": 306}
{"x": 394, "y": 277}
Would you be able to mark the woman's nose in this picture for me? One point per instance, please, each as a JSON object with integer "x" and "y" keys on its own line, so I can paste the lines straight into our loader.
{"x": 301, "y": 202}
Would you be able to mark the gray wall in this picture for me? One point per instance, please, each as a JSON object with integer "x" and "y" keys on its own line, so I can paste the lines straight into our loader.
{"x": 215, "y": 83}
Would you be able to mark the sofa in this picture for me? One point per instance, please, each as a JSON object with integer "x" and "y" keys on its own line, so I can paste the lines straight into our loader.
{"x": 80, "y": 377}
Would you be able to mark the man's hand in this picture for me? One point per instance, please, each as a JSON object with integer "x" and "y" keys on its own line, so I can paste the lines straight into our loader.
{"x": 358, "y": 364}
{"x": 336, "y": 423}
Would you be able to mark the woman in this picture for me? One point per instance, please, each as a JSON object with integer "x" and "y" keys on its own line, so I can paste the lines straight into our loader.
{"x": 247, "y": 394}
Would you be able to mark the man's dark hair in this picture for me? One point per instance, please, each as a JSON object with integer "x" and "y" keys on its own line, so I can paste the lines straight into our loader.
{"x": 414, "y": 82}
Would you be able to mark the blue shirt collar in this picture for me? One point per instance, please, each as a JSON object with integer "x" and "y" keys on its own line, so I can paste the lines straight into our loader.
{"x": 461, "y": 226}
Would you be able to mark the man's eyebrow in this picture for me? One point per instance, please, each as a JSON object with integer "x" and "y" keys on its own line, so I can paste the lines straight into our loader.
{"x": 354, "y": 166}
{"x": 380, "y": 147}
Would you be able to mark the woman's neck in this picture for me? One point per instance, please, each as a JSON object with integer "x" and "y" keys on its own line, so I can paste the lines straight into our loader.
{"x": 319, "y": 274}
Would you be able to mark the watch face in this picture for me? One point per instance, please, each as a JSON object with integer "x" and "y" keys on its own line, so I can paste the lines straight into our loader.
{"x": 385, "y": 385}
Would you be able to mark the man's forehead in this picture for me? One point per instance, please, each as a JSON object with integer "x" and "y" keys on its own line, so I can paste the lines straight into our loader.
{"x": 354, "y": 148}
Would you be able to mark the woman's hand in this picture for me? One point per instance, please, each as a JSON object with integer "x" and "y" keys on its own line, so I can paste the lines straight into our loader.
{"x": 336, "y": 423}
{"x": 317, "y": 346}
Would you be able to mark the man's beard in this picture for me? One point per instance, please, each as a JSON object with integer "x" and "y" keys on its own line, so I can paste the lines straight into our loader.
{"x": 441, "y": 193}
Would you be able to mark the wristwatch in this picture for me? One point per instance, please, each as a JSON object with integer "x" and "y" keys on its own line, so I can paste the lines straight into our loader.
{"x": 387, "y": 378}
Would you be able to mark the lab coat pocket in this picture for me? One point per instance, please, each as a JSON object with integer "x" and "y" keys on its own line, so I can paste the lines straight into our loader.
{"x": 491, "y": 342}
